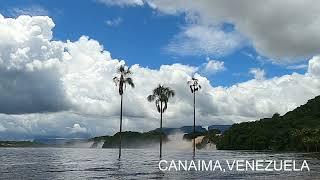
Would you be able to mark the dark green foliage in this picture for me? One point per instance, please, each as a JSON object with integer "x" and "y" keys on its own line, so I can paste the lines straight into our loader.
{"x": 208, "y": 134}
{"x": 161, "y": 96}
{"x": 123, "y": 78}
{"x": 130, "y": 139}
{"x": 191, "y": 136}
{"x": 276, "y": 115}
{"x": 222, "y": 128}
{"x": 297, "y": 130}
{"x": 214, "y": 131}
{"x": 19, "y": 144}
{"x": 183, "y": 129}
{"x": 209, "y": 137}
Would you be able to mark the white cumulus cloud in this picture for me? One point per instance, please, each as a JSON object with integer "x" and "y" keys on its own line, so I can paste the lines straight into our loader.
{"x": 259, "y": 74}
{"x": 30, "y": 66}
{"x": 212, "y": 66}
{"x": 78, "y": 129}
{"x": 284, "y": 31}
{"x": 203, "y": 40}
{"x": 48, "y": 86}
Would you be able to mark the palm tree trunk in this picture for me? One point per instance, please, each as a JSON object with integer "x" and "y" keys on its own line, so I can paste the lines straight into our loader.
{"x": 160, "y": 130}
{"x": 194, "y": 124}
{"x": 120, "y": 135}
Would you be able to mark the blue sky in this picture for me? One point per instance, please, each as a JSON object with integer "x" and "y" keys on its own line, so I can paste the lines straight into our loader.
{"x": 141, "y": 36}
{"x": 252, "y": 61}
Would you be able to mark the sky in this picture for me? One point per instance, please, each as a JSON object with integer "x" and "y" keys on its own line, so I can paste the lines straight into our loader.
{"x": 58, "y": 58}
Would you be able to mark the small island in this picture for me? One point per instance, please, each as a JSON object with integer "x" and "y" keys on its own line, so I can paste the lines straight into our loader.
{"x": 129, "y": 140}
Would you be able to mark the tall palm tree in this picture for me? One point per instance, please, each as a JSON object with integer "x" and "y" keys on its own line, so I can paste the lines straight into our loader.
{"x": 122, "y": 80}
{"x": 194, "y": 87}
{"x": 161, "y": 96}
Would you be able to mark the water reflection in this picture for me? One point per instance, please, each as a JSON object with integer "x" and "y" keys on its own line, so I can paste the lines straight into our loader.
{"x": 74, "y": 163}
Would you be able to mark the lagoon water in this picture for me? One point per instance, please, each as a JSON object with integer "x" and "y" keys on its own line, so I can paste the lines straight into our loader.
{"x": 86, "y": 163}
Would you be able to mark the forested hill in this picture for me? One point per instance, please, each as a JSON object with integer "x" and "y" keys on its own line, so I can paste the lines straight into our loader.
{"x": 297, "y": 130}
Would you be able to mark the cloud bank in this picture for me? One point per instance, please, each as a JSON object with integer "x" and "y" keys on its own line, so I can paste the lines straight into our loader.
{"x": 202, "y": 40}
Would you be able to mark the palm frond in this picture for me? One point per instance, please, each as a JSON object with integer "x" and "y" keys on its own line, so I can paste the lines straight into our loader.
{"x": 169, "y": 92}
{"x": 121, "y": 69}
{"x": 194, "y": 84}
{"x": 122, "y": 80}
{"x": 157, "y": 91}
{"x": 151, "y": 98}
{"x": 190, "y": 82}
{"x": 165, "y": 106}
{"x": 127, "y": 71}
{"x": 161, "y": 94}
{"x": 129, "y": 81}
{"x": 191, "y": 88}
{"x": 116, "y": 80}
{"x": 157, "y": 103}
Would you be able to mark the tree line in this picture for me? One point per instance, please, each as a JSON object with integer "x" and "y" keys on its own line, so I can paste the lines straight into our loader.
{"x": 297, "y": 130}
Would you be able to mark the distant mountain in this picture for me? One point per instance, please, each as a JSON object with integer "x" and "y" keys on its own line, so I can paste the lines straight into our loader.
{"x": 58, "y": 141}
{"x": 62, "y": 140}
{"x": 19, "y": 144}
{"x": 221, "y": 128}
{"x": 297, "y": 130}
{"x": 183, "y": 129}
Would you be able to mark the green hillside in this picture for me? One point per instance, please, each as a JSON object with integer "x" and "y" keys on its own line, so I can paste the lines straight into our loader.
{"x": 297, "y": 130}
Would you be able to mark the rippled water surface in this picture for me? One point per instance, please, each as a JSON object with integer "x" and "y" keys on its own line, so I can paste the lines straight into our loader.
{"x": 85, "y": 163}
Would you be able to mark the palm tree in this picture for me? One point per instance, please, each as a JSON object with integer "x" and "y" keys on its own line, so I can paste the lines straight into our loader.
{"x": 194, "y": 87}
{"x": 161, "y": 96}
{"x": 122, "y": 80}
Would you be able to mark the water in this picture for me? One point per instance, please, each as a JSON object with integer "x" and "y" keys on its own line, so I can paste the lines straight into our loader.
{"x": 85, "y": 163}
